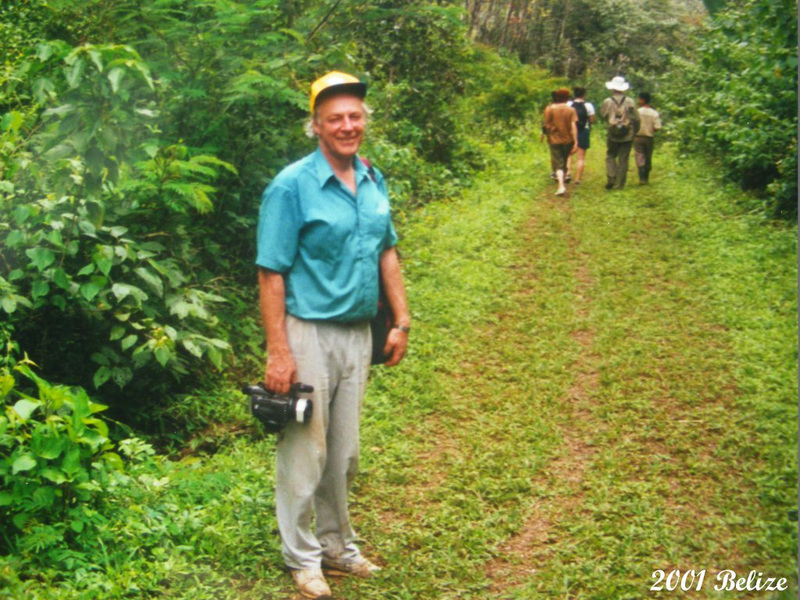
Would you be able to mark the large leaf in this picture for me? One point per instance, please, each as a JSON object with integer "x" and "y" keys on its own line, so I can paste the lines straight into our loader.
{"x": 41, "y": 258}
{"x": 25, "y": 408}
{"x": 24, "y": 462}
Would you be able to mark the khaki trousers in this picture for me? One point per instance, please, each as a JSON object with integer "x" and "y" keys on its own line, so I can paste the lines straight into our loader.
{"x": 317, "y": 461}
{"x": 617, "y": 154}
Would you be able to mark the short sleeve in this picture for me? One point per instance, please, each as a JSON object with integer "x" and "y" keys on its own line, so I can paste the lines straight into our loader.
{"x": 278, "y": 229}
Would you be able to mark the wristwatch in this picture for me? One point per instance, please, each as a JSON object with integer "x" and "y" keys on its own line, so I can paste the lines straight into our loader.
{"x": 402, "y": 328}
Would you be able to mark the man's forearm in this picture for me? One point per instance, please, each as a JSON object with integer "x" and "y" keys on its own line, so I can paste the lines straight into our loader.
{"x": 392, "y": 279}
{"x": 272, "y": 302}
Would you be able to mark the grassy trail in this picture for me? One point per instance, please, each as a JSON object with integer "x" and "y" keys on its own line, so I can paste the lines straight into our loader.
{"x": 600, "y": 386}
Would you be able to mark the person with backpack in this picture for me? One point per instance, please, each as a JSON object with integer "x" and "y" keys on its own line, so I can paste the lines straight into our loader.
{"x": 586, "y": 116}
{"x": 623, "y": 120}
{"x": 643, "y": 142}
{"x": 560, "y": 123}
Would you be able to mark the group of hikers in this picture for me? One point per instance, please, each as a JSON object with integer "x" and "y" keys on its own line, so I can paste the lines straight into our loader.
{"x": 567, "y": 124}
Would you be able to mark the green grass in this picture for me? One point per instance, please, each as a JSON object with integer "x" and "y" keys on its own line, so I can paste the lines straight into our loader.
{"x": 597, "y": 387}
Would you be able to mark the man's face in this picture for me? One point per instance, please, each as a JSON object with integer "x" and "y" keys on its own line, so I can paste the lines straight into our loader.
{"x": 340, "y": 124}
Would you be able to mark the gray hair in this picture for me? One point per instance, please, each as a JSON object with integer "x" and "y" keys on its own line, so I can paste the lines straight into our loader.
{"x": 309, "y": 124}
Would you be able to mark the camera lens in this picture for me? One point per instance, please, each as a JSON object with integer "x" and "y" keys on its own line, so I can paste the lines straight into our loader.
{"x": 303, "y": 410}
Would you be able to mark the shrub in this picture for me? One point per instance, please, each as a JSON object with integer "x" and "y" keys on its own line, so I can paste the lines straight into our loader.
{"x": 736, "y": 97}
{"x": 56, "y": 458}
{"x": 98, "y": 261}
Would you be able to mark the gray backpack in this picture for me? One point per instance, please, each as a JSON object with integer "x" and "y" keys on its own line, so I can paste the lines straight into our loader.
{"x": 619, "y": 125}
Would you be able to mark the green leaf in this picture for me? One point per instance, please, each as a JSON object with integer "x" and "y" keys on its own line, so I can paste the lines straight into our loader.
{"x": 20, "y": 519}
{"x": 61, "y": 279}
{"x": 6, "y": 385}
{"x": 54, "y": 475}
{"x": 44, "y": 497}
{"x": 87, "y": 270}
{"x": 102, "y": 375}
{"x": 116, "y": 333}
{"x": 55, "y": 238}
{"x": 93, "y": 439}
{"x": 97, "y": 213}
{"x": 123, "y": 290}
{"x": 21, "y": 213}
{"x": 104, "y": 264}
{"x": 114, "y": 461}
{"x": 97, "y": 59}
{"x": 151, "y": 279}
{"x": 24, "y": 408}
{"x": 163, "y": 355}
{"x": 121, "y": 376}
{"x": 24, "y": 462}
{"x": 193, "y": 348}
{"x": 77, "y": 526}
{"x": 11, "y": 121}
{"x": 90, "y": 290}
{"x": 129, "y": 341}
{"x": 75, "y": 73}
{"x": 72, "y": 462}
{"x": 47, "y": 446}
{"x": 41, "y": 257}
{"x": 8, "y": 303}
{"x": 15, "y": 238}
{"x": 215, "y": 357}
{"x": 39, "y": 289}
{"x": 115, "y": 76}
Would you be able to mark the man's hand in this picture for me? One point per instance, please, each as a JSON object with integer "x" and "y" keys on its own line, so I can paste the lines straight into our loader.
{"x": 395, "y": 348}
{"x": 280, "y": 372}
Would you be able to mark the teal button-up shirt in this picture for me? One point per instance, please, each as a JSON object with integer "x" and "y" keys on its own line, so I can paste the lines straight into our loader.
{"x": 325, "y": 240}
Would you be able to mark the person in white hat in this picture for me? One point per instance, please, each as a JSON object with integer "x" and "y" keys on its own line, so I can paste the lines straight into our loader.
{"x": 325, "y": 244}
{"x": 623, "y": 122}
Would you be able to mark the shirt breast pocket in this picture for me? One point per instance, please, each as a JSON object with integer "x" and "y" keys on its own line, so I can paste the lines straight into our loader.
{"x": 327, "y": 233}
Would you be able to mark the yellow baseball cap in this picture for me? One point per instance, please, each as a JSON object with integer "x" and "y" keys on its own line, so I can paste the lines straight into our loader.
{"x": 336, "y": 82}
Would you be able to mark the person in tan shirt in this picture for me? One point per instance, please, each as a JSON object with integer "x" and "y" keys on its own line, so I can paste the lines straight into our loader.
{"x": 560, "y": 124}
{"x": 644, "y": 140}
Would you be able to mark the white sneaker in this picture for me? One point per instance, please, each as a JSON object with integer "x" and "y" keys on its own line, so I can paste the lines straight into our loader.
{"x": 561, "y": 191}
{"x": 358, "y": 567}
{"x": 312, "y": 584}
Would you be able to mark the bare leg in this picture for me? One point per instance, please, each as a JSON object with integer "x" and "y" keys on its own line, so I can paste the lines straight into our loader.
{"x": 581, "y": 162}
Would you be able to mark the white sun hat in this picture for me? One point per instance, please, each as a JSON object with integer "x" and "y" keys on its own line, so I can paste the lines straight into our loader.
{"x": 618, "y": 84}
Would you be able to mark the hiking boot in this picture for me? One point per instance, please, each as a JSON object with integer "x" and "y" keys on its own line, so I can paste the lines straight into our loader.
{"x": 312, "y": 584}
{"x": 358, "y": 567}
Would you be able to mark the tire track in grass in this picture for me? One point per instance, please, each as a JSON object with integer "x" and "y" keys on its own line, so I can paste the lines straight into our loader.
{"x": 520, "y": 556}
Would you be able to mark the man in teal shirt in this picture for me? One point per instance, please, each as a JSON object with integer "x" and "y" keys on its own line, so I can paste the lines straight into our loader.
{"x": 325, "y": 239}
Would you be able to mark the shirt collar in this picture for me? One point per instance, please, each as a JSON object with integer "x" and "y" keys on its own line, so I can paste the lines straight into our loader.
{"x": 325, "y": 172}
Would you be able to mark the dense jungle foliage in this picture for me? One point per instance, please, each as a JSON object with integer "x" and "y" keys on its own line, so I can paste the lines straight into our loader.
{"x": 136, "y": 139}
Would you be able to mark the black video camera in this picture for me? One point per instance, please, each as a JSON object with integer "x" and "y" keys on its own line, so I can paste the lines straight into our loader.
{"x": 276, "y": 410}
